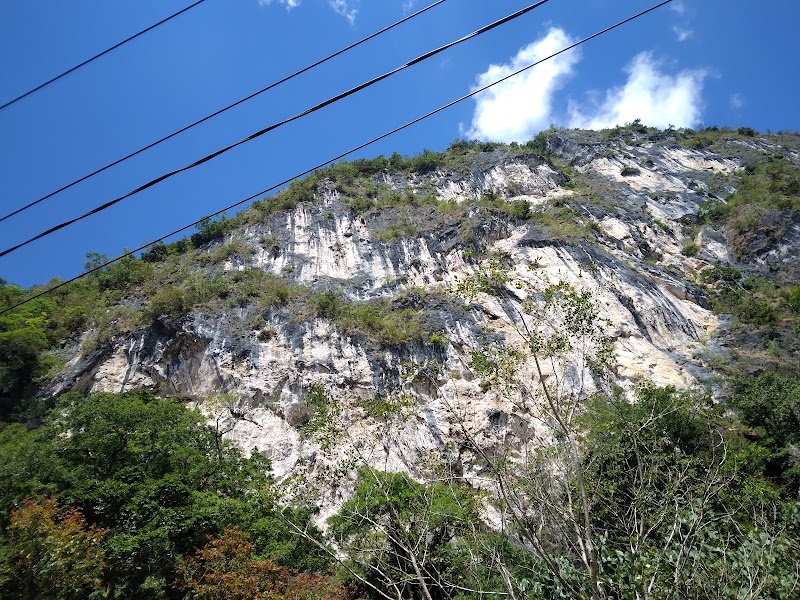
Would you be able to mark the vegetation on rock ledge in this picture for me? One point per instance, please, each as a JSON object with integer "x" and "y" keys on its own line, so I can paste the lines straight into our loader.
{"x": 578, "y": 494}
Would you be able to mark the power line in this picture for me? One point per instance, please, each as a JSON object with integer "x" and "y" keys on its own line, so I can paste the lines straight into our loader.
{"x": 103, "y": 53}
{"x": 274, "y": 126}
{"x": 219, "y": 112}
{"x": 340, "y": 156}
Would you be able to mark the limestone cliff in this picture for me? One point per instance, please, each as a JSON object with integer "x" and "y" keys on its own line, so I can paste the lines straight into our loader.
{"x": 614, "y": 213}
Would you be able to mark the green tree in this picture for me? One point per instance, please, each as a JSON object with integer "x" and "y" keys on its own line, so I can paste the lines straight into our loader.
{"x": 396, "y": 537}
{"x": 25, "y": 335}
{"x": 156, "y": 476}
{"x": 407, "y": 538}
{"x": 209, "y": 230}
{"x": 617, "y": 497}
{"x": 679, "y": 513}
{"x": 51, "y": 553}
{"x": 94, "y": 260}
{"x": 226, "y": 569}
{"x": 538, "y": 475}
{"x": 770, "y": 405}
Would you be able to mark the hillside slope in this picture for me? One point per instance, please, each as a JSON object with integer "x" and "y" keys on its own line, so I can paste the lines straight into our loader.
{"x": 561, "y": 369}
{"x": 344, "y": 280}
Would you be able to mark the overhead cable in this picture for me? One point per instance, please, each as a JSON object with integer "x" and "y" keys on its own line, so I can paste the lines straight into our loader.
{"x": 103, "y": 53}
{"x": 219, "y": 112}
{"x": 340, "y": 156}
{"x": 274, "y": 126}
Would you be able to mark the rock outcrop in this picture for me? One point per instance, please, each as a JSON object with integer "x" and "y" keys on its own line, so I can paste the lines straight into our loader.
{"x": 621, "y": 233}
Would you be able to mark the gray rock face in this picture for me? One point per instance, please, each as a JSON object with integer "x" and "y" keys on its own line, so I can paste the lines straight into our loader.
{"x": 629, "y": 257}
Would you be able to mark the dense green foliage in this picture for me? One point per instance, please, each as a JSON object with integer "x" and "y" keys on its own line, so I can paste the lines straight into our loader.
{"x": 227, "y": 568}
{"x": 23, "y": 341}
{"x": 769, "y": 405}
{"x": 753, "y": 301}
{"x": 401, "y": 534}
{"x": 681, "y": 502}
{"x": 154, "y": 477}
{"x": 684, "y": 499}
{"x": 51, "y": 553}
{"x": 380, "y": 321}
{"x": 766, "y": 200}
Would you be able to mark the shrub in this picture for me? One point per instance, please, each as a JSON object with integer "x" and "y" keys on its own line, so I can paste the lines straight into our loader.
{"x": 520, "y": 209}
{"x": 469, "y": 254}
{"x": 700, "y": 142}
{"x": 360, "y": 204}
{"x": 208, "y": 230}
{"x": 181, "y": 246}
{"x": 124, "y": 274}
{"x": 371, "y": 166}
{"x": 690, "y": 248}
{"x": 398, "y": 328}
{"x": 227, "y": 251}
{"x": 628, "y": 171}
{"x": 438, "y": 338}
{"x": 157, "y": 253}
{"x": 271, "y": 245}
{"x": 720, "y": 272}
{"x": 327, "y": 305}
{"x": 793, "y": 299}
{"x": 661, "y": 224}
{"x": 561, "y": 223}
{"x": 424, "y": 163}
{"x": 396, "y": 161}
{"x": 344, "y": 173}
{"x": 170, "y": 301}
{"x": 300, "y": 190}
{"x": 252, "y": 285}
{"x": 401, "y": 228}
{"x": 756, "y": 311}
{"x": 492, "y": 200}
{"x": 379, "y": 321}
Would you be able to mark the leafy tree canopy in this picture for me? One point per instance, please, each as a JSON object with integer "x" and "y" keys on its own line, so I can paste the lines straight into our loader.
{"x": 153, "y": 474}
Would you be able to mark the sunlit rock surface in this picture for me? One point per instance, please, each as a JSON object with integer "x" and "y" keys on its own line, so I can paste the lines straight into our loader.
{"x": 630, "y": 258}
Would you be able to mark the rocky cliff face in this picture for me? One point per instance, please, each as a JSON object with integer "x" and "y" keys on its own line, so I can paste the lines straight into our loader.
{"x": 617, "y": 216}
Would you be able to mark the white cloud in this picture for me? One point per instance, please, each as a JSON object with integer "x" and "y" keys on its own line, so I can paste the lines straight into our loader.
{"x": 344, "y": 8}
{"x": 658, "y": 99}
{"x": 289, "y": 4}
{"x": 518, "y": 108}
{"x": 682, "y": 34}
{"x": 737, "y": 101}
{"x": 408, "y": 5}
{"x": 678, "y": 6}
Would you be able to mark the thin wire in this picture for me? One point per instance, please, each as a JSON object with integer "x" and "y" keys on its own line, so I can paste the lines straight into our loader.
{"x": 96, "y": 56}
{"x": 220, "y": 111}
{"x": 339, "y": 157}
{"x": 274, "y": 126}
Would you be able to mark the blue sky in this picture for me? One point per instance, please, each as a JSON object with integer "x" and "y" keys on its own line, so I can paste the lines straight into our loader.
{"x": 695, "y": 62}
